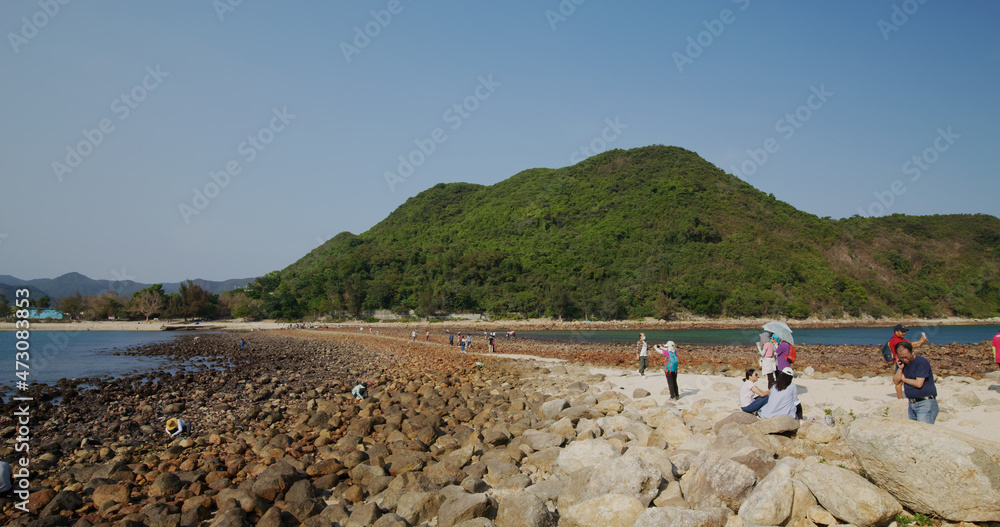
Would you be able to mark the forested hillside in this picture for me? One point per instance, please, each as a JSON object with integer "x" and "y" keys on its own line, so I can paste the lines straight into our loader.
{"x": 644, "y": 232}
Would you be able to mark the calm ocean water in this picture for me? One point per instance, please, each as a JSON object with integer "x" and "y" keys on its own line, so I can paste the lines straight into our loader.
{"x": 746, "y": 337}
{"x": 54, "y": 355}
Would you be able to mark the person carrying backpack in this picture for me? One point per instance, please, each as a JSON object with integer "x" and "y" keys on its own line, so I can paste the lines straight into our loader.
{"x": 670, "y": 363}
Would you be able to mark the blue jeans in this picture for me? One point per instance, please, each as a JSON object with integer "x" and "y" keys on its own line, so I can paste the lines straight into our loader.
{"x": 924, "y": 411}
{"x": 757, "y": 404}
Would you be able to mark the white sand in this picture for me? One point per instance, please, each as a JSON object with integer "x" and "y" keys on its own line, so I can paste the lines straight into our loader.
{"x": 865, "y": 397}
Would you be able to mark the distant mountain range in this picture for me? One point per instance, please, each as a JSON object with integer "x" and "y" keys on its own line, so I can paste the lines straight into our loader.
{"x": 69, "y": 283}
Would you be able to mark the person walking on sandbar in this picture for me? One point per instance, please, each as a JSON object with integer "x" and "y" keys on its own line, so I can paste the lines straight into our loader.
{"x": 643, "y": 353}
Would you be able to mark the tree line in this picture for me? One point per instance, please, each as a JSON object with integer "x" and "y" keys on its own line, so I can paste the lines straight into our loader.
{"x": 191, "y": 301}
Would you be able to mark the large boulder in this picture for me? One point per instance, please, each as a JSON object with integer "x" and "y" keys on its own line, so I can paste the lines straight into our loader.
{"x": 584, "y": 454}
{"x": 524, "y": 510}
{"x": 930, "y": 469}
{"x": 770, "y": 503}
{"x": 681, "y": 517}
{"x": 715, "y": 481}
{"x": 463, "y": 507}
{"x": 610, "y": 510}
{"x": 777, "y": 425}
{"x": 847, "y": 495}
{"x": 630, "y": 475}
{"x": 551, "y": 409}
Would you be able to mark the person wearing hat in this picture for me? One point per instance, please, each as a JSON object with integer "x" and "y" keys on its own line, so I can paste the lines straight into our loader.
{"x": 670, "y": 362}
{"x": 176, "y": 426}
{"x": 783, "y": 399}
{"x": 899, "y": 335}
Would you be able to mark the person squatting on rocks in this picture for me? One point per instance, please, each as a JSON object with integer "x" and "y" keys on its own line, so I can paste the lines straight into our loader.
{"x": 6, "y": 483}
{"x": 670, "y": 363}
{"x": 752, "y": 398}
{"x": 899, "y": 335}
{"x": 914, "y": 374}
{"x": 768, "y": 364}
{"x": 643, "y": 353}
{"x": 360, "y": 391}
{"x": 783, "y": 399}
{"x": 176, "y": 427}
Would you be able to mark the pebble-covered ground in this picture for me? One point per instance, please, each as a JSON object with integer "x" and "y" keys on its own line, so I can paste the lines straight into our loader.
{"x": 101, "y": 457}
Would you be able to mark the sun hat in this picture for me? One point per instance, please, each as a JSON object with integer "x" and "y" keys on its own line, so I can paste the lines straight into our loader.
{"x": 787, "y": 370}
{"x": 671, "y": 346}
{"x": 171, "y": 424}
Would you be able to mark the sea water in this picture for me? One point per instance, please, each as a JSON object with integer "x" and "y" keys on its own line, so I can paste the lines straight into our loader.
{"x": 53, "y": 355}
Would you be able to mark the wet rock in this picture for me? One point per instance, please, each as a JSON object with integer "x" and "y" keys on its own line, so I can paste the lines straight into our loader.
{"x": 106, "y": 494}
{"x": 63, "y": 501}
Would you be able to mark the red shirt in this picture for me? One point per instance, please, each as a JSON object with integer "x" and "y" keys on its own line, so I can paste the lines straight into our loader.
{"x": 893, "y": 342}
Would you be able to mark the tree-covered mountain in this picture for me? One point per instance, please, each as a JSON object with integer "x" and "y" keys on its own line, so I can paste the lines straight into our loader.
{"x": 643, "y": 232}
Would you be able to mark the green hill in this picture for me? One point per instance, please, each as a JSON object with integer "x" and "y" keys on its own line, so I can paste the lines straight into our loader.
{"x": 643, "y": 232}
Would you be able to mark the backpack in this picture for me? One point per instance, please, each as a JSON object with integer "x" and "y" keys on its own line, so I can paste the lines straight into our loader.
{"x": 886, "y": 352}
{"x": 791, "y": 353}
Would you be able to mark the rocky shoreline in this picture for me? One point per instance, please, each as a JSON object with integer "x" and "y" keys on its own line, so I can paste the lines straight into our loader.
{"x": 446, "y": 438}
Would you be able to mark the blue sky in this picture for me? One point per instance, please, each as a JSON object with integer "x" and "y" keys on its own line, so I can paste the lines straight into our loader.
{"x": 819, "y": 103}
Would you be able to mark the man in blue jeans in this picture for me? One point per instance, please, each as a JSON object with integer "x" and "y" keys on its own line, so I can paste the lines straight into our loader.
{"x": 918, "y": 383}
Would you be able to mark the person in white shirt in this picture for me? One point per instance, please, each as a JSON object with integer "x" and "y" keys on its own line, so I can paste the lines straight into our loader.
{"x": 752, "y": 398}
{"x": 783, "y": 399}
{"x": 643, "y": 353}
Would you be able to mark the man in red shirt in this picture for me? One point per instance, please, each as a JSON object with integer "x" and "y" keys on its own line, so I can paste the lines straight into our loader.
{"x": 996, "y": 348}
{"x": 898, "y": 335}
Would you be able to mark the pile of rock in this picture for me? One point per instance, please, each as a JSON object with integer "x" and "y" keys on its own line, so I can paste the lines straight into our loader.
{"x": 447, "y": 441}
